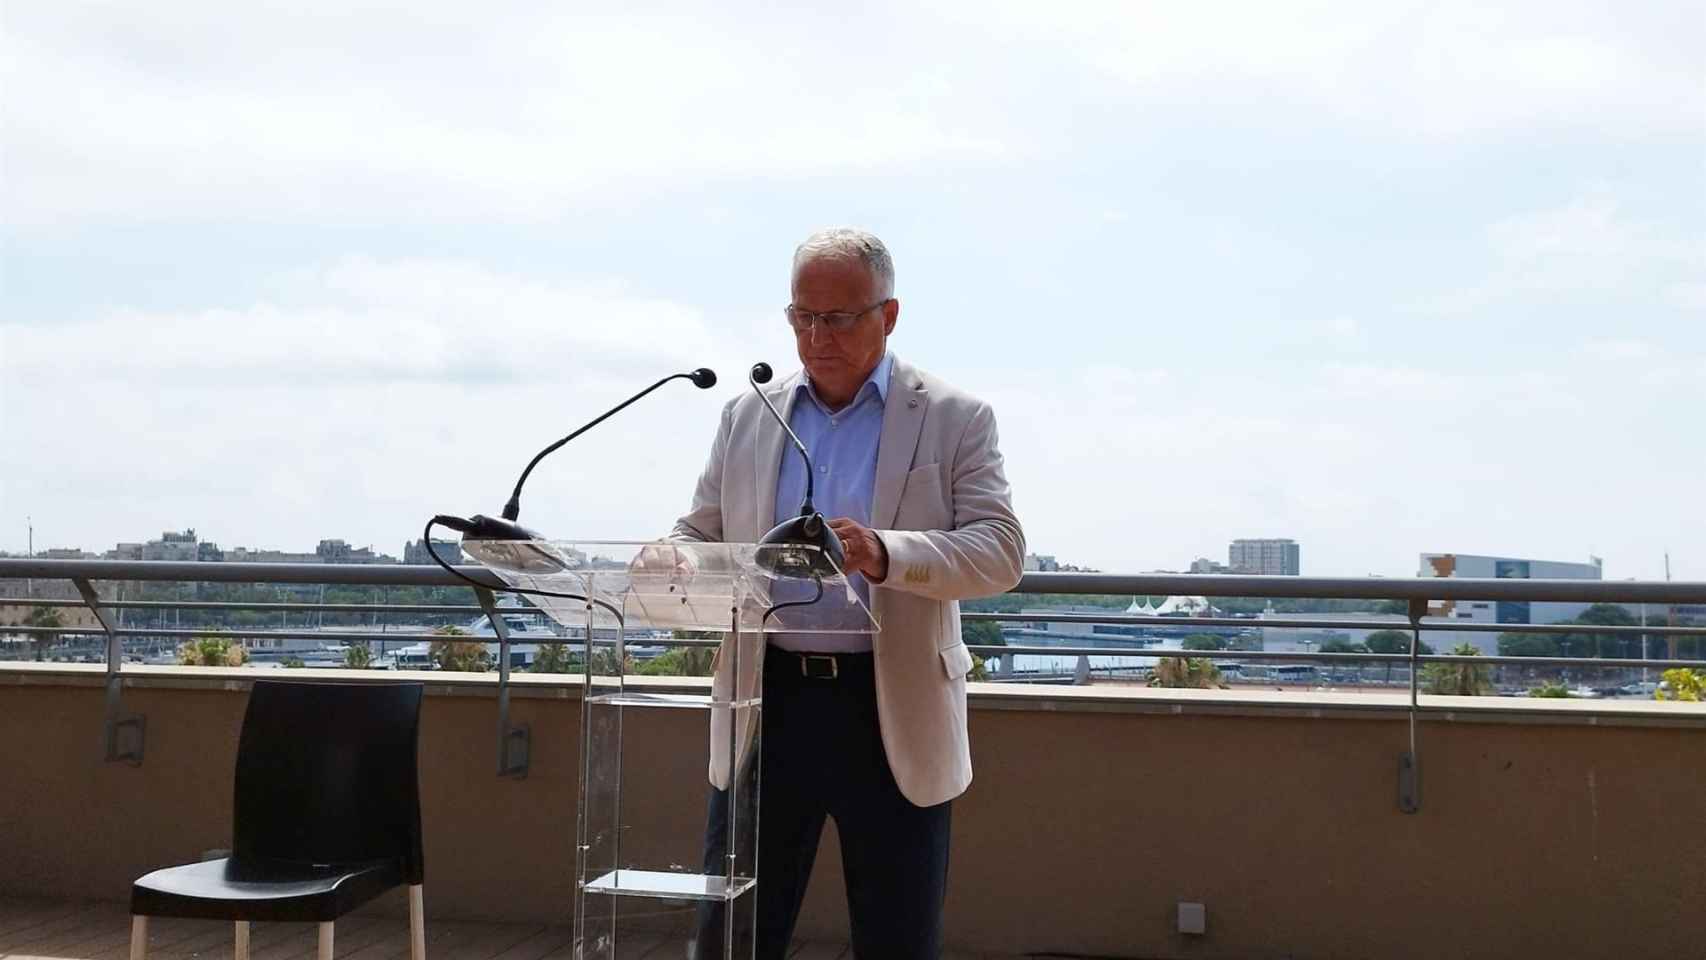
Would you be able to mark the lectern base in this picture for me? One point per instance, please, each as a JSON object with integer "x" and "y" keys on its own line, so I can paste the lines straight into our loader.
{"x": 665, "y": 885}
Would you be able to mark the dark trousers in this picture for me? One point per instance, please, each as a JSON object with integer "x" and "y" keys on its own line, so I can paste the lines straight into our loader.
{"x": 822, "y": 756}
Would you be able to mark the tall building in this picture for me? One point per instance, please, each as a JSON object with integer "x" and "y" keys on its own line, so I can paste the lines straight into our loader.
{"x": 173, "y": 546}
{"x": 338, "y": 551}
{"x": 1273, "y": 558}
{"x": 1494, "y": 612}
{"x": 415, "y": 551}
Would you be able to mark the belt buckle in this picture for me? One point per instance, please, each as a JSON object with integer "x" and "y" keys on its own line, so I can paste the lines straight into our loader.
{"x": 807, "y": 670}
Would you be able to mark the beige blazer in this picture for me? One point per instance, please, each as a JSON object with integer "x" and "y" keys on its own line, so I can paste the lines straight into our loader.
{"x": 943, "y": 510}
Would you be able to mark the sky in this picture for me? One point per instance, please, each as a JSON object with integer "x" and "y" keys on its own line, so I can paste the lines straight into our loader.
{"x": 1385, "y": 278}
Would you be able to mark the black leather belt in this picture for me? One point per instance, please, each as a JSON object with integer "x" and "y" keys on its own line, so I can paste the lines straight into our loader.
{"x": 819, "y": 666}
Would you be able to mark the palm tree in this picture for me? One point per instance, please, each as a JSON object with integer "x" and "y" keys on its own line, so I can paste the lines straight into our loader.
{"x": 1195, "y": 672}
{"x": 450, "y": 653}
{"x": 43, "y": 617}
{"x": 552, "y": 658}
{"x": 357, "y": 656}
{"x": 1459, "y": 679}
{"x": 212, "y": 652}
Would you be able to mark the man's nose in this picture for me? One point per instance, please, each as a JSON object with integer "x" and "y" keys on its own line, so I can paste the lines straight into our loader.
{"x": 818, "y": 331}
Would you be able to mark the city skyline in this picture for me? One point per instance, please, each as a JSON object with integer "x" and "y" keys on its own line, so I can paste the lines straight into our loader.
{"x": 1035, "y": 558}
{"x": 1388, "y": 277}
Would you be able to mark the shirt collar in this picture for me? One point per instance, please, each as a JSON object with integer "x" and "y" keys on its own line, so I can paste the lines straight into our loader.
{"x": 877, "y": 381}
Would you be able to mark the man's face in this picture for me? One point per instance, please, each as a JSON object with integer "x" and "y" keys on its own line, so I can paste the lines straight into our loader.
{"x": 839, "y": 362}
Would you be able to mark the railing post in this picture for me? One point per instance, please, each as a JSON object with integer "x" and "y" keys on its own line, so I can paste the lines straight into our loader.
{"x": 123, "y": 733}
{"x": 1409, "y": 763}
{"x": 514, "y": 742}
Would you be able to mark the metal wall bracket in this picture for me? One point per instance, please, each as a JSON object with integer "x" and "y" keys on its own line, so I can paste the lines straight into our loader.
{"x": 1409, "y": 784}
{"x": 515, "y": 741}
{"x": 123, "y": 734}
{"x": 1409, "y": 762}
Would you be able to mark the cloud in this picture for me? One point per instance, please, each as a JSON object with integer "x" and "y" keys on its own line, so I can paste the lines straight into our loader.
{"x": 1588, "y": 248}
{"x": 1365, "y": 464}
{"x": 323, "y": 112}
{"x": 193, "y": 110}
{"x": 366, "y": 396}
{"x": 373, "y": 322}
{"x": 1621, "y": 350}
{"x": 1430, "y": 70}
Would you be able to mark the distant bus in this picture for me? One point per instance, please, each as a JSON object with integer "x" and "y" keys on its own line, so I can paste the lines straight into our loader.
{"x": 1294, "y": 673}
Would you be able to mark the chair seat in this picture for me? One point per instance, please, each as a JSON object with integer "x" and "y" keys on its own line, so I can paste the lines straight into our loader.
{"x": 261, "y": 890}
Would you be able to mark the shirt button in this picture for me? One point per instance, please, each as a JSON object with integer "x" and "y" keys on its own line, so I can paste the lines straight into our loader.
{"x": 823, "y": 469}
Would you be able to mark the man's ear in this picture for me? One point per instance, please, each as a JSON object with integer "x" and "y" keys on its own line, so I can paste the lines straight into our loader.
{"x": 891, "y": 313}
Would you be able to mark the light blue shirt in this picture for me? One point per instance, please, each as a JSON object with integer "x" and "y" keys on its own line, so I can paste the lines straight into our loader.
{"x": 843, "y": 446}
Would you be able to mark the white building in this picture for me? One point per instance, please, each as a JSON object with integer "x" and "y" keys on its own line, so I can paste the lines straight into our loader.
{"x": 1496, "y": 612}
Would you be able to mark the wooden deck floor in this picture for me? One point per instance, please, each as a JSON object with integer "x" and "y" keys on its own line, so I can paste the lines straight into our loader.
{"x": 67, "y": 930}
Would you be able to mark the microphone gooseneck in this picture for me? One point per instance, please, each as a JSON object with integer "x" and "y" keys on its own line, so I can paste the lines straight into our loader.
{"x": 761, "y": 374}
{"x": 704, "y": 378}
{"x": 514, "y": 540}
{"x": 779, "y": 550}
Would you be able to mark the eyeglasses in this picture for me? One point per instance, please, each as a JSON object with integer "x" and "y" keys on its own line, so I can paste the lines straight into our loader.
{"x": 835, "y": 321}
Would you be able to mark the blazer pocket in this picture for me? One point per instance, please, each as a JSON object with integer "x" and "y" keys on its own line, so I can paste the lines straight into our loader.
{"x": 956, "y": 661}
{"x": 922, "y": 503}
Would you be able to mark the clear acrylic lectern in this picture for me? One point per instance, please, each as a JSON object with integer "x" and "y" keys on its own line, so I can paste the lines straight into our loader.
{"x": 623, "y": 605}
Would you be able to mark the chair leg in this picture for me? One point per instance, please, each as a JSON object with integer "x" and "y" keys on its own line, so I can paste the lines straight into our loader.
{"x": 138, "y": 938}
{"x": 417, "y": 924}
{"x": 242, "y": 951}
{"x": 325, "y": 941}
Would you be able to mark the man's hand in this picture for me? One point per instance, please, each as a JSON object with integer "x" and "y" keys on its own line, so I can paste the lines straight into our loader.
{"x": 663, "y": 560}
{"x": 865, "y": 551}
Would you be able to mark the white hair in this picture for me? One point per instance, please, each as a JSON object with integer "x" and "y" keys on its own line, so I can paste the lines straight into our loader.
{"x": 850, "y": 243}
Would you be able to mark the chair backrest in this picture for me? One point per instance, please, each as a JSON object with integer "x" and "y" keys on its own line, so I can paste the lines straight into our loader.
{"x": 327, "y": 773}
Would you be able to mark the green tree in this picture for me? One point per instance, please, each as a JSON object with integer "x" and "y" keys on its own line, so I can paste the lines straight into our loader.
{"x": 1198, "y": 672}
{"x": 465, "y": 656}
{"x": 43, "y": 617}
{"x": 1552, "y": 689}
{"x": 552, "y": 658}
{"x": 979, "y": 673}
{"x": 1608, "y": 644}
{"x": 212, "y": 652}
{"x": 1459, "y": 679}
{"x": 1393, "y": 641}
{"x": 357, "y": 656}
{"x": 982, "y": 633}
{"x": 1203, "y": 641}
{"x": 1341, "y": 645}
{"x": 680, "y": 662}
{"x": 1528, "y": 645}
{"x": 293, "y": 663}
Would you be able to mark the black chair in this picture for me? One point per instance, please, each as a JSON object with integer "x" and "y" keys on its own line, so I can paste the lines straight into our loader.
{"x": 327, "y": 816}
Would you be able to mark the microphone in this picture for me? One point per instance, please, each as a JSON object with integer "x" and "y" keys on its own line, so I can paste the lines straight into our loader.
{"x": 704, "y": 378}
{"x": 779, "y": 550}
{"x": 480, "y": 527}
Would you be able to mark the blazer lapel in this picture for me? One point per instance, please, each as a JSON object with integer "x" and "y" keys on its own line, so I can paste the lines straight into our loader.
{"x": 903, "y": 419}
{"x": 768, "y": 451}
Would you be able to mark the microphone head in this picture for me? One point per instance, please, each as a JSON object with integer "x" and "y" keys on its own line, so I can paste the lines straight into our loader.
{"x": 761, "y": 373}
{"x": 704, "y": 378}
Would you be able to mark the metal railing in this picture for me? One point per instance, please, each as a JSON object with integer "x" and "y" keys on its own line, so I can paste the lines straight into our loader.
{"x": 124, "y": 731}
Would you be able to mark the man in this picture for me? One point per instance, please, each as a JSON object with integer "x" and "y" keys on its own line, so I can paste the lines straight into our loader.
{"x": 867, "y": 728}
